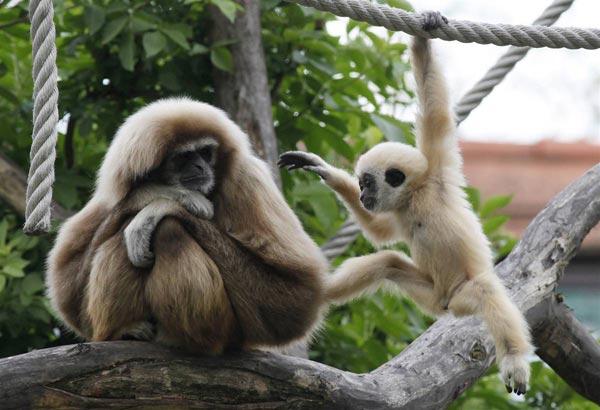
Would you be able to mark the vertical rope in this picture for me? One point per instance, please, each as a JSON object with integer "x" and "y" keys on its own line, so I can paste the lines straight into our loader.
{"x": 45, "y": 118}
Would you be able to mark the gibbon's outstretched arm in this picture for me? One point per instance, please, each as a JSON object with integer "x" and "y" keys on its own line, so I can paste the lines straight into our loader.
{"x": 435, "y": 124}
{"x": 378, "y": 227}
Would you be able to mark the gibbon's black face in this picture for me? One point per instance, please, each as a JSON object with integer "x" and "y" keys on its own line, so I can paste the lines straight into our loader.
{"x": 376, "y": 187}
{"x": 192, "y": 166}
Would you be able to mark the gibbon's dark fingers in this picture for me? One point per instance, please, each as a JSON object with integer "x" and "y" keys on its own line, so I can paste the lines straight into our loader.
{"x": 432, "y": 20}
{"x": 305, "y": 160}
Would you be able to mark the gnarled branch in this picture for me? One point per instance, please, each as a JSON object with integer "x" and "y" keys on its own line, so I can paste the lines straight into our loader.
{"x": 449, "y": 357}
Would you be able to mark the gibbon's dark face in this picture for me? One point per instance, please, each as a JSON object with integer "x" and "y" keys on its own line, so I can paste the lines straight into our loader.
{"x": 192, "y": 166}
{"x": 378, "y": 186}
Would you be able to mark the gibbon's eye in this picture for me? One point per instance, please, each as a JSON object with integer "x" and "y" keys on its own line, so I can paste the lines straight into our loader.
{"x": 185, "y": 156}
{"x": 206, "y": 153}
{"x": 394, "y": 177}
{"x": 366, "y": 181}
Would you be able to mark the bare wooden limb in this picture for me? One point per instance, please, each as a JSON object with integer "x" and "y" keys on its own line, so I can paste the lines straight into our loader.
{"x": 568, "y": 347}
{"x": 449, "y": 357}
{"x": 244, "y": 93}
{"x": 13, "y": 184}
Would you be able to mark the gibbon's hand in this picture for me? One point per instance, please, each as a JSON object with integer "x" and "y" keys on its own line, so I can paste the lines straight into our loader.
{"x": 432, "y": 20}
{"x": 305, "y": 160}
{"x": 196, "y": 204}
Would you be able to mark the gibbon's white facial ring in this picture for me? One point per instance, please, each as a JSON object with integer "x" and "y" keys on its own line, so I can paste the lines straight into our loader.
{"x": 377, "y": 185}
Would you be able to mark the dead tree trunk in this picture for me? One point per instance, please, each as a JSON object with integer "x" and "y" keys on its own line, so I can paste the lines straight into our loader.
{"x": 429, "y": 374}
{"x": 244, "y": 93}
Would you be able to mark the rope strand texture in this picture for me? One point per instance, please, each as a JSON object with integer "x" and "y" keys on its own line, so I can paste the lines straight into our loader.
{"x": 45, "y": 118}
{"x": 460, "y": 30}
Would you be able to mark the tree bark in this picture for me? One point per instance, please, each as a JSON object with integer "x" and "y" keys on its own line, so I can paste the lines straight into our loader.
{"x": 13, "y": 186}
{"x": 429, "y": 374}
{"x": 244, "y": 93}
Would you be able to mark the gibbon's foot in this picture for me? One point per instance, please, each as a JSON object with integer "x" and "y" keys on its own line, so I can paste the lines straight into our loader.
{"x": 305, "y": 160}
{"x": 514, "y": 369}
{"x": 433, "y": 20}
{"x": 143, "y": 331}
{"x": 137, "y": 242}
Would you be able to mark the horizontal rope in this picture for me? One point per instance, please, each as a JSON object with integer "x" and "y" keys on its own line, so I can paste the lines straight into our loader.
{"x": 460, "y": 30}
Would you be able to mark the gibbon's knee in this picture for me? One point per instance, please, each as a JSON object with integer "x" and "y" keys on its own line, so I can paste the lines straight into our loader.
{"x": 115, "y": 291}
{"x": 186, "y": 293}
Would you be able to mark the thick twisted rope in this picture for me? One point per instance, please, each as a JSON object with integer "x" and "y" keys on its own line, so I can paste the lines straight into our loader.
{"x": 349, "y": 231}
{"x": 505, "y": 64}
{"x": 45, "y": 118}
{"x": 459, "y": 30}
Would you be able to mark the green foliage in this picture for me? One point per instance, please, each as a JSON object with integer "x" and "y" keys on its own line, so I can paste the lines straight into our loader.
{"x": 547, "y": 391}
{"x": 335, "y": 96}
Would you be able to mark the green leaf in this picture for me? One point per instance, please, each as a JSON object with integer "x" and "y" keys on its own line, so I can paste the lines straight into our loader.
{"x": 13, "y": 271}
{"x": 3, "y": 231}
{"x": 473, "y": 196}
{"x": 176, "y": 35}
{"x": 154, "y": 43}
{"x": 94, "y": 18}
{"x": 227, "y": 7}
{"x": 492, "y": 224}
{"x": 113, "y": 28}
{"x": 127, "y": 52}
{"x": 2, "y": 282}
{"x": 221, "y": 58}
{"x": 32, "y": 283}
{"x": 392, "y": 129}
{"x": 198, "y": 49}
{"x": 494, "y": 203}
{"x": 139, "y": 24}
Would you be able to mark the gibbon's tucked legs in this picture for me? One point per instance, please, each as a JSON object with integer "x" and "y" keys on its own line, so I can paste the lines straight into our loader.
{"x": 485, "y": 295}
{"x": 359, "y": 274}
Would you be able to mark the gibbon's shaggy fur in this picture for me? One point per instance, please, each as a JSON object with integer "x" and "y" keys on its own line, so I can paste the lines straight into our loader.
{"x": 250, "y": 277}
{"x": 415, "y": 195}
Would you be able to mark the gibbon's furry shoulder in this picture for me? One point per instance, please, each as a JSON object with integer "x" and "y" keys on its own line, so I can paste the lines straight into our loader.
{"x": 142, "y": 142}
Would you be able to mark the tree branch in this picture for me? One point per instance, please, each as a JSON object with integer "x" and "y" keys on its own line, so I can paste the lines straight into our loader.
{"x": 13, "y": 185}
{"x": 429, "y": 374}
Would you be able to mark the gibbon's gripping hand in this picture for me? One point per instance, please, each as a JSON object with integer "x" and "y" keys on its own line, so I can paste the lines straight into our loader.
{"x": 433, "y": 20}
{"x": 196, "y": 204}
{"x": 305, "y": 160}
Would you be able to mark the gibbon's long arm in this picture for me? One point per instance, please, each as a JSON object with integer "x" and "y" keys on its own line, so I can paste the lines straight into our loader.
{"x": 435, "y": 125}
{"x": 378, "y": 227}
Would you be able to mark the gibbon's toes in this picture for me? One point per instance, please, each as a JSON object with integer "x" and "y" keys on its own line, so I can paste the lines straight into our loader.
{"x": 143, "y": 331}
{"x": 514, "y": 370}
{"x": 433, "y": 20}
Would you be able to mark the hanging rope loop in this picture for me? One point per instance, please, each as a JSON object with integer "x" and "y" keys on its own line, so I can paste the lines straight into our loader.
{"x": 45, "y": 118}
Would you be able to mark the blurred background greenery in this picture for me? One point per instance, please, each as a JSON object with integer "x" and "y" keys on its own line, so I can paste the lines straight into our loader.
{"x": 334, "y": 98}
